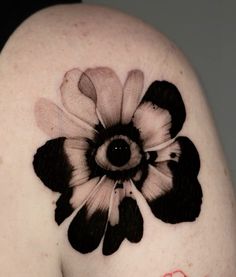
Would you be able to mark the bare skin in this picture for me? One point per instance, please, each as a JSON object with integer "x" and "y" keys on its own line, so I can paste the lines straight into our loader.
{"x": 32, "y": 65}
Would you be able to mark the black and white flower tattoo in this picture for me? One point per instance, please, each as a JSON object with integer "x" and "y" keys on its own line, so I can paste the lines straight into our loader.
{"x": 109, "y": 142}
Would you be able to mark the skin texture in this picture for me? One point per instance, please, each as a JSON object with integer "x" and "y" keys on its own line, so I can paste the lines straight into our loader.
{"x": 32, "y": 65}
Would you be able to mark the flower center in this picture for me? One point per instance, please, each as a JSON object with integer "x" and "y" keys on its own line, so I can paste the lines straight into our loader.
{"x": 118, "y": 152}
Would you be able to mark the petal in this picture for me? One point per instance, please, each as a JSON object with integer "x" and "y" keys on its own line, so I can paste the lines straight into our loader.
{"x": 140, "y": 176}
{"x": 106, "y": 93}
{"x": 154, "y": 124}
{"x": 125, "y": 219}
{"x": 82, "y": 192}
{"x": 88, "y": 226}
{"x": 170, "y": 152}
{"x": 72, "y": 199}
{"x": 159, "y": 159}
{"x": 183, "y": 201}
{"x": 52, "y": 166}
{"x": 131, "y": 94}
{"x": 63, "y": 207}
{"x": 156, "y": 184}
{"x": 75, "y": 150}
{"x": 55, "y": 123}
{"x": 76, "y": 102}
{"x": 167, "y": 96}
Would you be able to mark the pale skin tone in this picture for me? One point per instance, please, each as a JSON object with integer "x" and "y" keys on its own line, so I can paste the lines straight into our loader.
{"x": 32, "y": 65}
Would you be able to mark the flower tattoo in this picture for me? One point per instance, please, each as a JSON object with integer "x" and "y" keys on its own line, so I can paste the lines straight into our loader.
{"x": 108, "y": 143}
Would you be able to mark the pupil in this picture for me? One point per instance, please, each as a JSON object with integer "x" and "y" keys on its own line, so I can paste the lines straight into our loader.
{"x": 118, "y": 152}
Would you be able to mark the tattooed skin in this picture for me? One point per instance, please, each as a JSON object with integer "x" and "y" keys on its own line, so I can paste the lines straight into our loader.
{"x": 109, "y": 142}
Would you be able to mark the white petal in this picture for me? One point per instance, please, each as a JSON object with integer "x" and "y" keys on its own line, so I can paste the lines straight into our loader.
{"x": 171, "y": 152}
{"x": 82, "y": 192}
{"x": 87, "y": 87}
{"x": 76, "y": 102}
{"x": 76, "y": 150}
{"x": 164, "y": 168}
{"x": 153, "y": 123}
{"x": 55, "y": 123}
{"x": 156, "y": 184}
{"x": 118, "y": 195}
{"x": 108, "y": 97}
{"x": 131, "y": 94}
{"x": 101, "y": 197}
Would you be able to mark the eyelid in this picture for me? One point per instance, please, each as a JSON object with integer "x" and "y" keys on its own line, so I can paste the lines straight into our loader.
{"x": 135, "y": 158}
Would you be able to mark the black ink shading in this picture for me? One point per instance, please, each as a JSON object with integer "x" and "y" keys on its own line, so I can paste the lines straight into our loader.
{"x": 130, "y": 226}
{"x": 166, "y": 95}
{"x": 182, "y": 203}
{"x": 174, "y": 197}
{"x": 52, "y": 166}
{"x": 85, "y": 234}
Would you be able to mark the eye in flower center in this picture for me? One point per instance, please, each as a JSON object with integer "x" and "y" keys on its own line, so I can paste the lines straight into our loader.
{"x": 118, "y": 152}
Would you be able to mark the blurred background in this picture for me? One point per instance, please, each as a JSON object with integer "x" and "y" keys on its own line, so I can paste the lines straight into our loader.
{"x": 205, "y": 30}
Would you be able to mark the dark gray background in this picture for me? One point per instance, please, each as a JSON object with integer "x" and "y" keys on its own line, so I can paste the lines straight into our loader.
{"x": 206, "y": 32}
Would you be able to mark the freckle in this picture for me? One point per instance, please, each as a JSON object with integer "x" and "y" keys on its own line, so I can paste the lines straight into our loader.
{"x": 1, "y": 160}
{"x": 181, "y": 72}
{"x": 45, "y": 255}
{"x": 190, "y": 264}
{"x": 85, "y": 34}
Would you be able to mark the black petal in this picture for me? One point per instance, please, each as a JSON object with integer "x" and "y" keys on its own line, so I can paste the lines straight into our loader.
{"x": 52, "y": 166}
{"x": 113, "y": 239}
{"x": 132, "y": 219}
{"x": 183, "y": 201}
{"x": 167, "y": 96}
{"x": 63, "y": 206}
{"x": 85, "y": 233}
{"x": 130, "y": 226}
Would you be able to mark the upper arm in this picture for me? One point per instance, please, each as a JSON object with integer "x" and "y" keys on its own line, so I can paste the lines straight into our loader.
{"x": 72, "y": 80}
